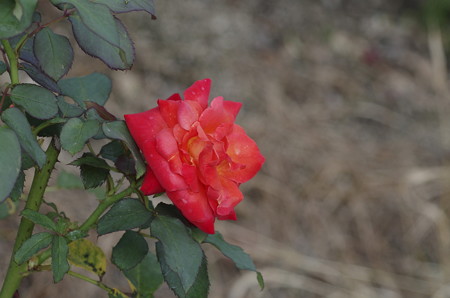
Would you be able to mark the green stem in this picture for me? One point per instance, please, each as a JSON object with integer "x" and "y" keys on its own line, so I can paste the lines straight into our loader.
{"x": 92, "y": 219}
{"x": 12, "y": 59}
{"x": 15, "y": 271}
{"x": 92, "y": 281}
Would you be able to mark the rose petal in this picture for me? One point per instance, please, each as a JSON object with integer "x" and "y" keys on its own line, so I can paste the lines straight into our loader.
{"x": 243, "y": 151}
{"x": 199, "y": 92}
{"x": 187, "y": 114}
{"x": 218, "y": 113}
{"x": 195, "y": 207}
{"x": 169, "y": 110}
{"x": 225, "y": 198}
{"x": 150, "y": 185}
{"x": 167, "y": 147}
{"x": 144, "y": 126}
{"x": 168, "y": 179}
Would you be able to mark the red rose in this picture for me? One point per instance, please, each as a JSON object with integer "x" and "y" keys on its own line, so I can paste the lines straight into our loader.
{"x": 196, "y": 154}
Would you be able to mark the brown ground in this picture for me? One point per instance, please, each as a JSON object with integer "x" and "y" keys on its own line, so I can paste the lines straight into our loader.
{"x": 348, "y": 101}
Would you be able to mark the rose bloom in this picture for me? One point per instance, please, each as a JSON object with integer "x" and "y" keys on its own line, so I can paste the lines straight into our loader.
{"x": 196, "y": 154}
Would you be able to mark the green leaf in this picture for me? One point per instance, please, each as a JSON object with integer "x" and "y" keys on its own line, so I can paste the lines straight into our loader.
{"x": 60, "y": 251}
{"x": 85, "y": 254}
{"x": 119, "y": 131}
{"x": 76, "y": 132}
{"x": 39, "y": 77}
{"x": 37, "y": 101}
{"x": 17, "y": 121}
{"x": 200, "y": 287}
{"x": 54, "y": 53}
{"x": 240, "y": 258}
{"x": 93, "y": 177}
{"x": 94, "y": 87}
{"x": 17, "y": 190}
{"x": 32, "y": 245}
{"x": 123, "y": 215}
{"x": 121, "y": 6}
{"x": 15, "y": 16}
{"x": 10, "y": 161}
{"x": 26, "y": 52}
{"x": 129, "y": 251}
{"x": 112, "y": 150}
{"x": 97, "y": 18}
{"x": 119, "y": 56}
{"x": 3, "y": 67}
{"x": 69, "y": 181}
{"x": 146, "y": 277}
{"x": 39, "y": 219}
{"x": 7, "y": 208}
{"x": 88, "y": 159}
{"x": 181, "y": 253}
{"x": 68, "y": 110}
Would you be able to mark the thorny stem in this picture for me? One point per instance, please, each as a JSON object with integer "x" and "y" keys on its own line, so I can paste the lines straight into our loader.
{"x": 15, "y": 271}
{"x": 12, "y": 59}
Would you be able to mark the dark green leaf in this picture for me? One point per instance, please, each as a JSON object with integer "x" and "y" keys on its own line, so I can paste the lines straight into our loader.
{"x": 10, "y": 161}
{"x": 3, "y": 67}
{"x": 27, "y": 161}
{"x": 68, "y": 110}
{"x": 54, "y": 53}
{"x": 146, "y": 277}
{"x": 76, "y": 132}
{"x": 39, "y": 219}
{"x": 235, "y": 253}
{"x": 60, "y": 265}
{"x": 181, "y": 253}
{"x": 88, "y": 159}
{"x": 94, "y": 87}
{"x": 120, "y": 6}
{"x": 15, "y": 16}
{"x": 200, "y": 287}
{"x": 17, "y": 190}
{"x": 129, "y": 251}
{"x": 112, "y": 150}
{"x": 124, "y": 215}
{"x": 37, "y": 101}
{"x": 17, "y": 121}
{"x": 119, "y": 56}
{"x": 26, "y": 52}
{"x": 96, "y": 17}
{"x": 41, "y": 78}
{"x": 126, "y": 165}
{"x": 119, "y": 131}
{"x": 92, "y": 176}
{"x": 69, "y": 181}
{"x": 32, "y": 245}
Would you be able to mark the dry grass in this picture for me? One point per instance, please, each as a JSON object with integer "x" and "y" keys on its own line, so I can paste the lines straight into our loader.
{"x": 349, "y": 104}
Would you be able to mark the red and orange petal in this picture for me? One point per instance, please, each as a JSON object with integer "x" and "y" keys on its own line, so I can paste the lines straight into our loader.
{"x": 243, "y": 151}
{"x": 217, "y": 113}
{"x": 194, "y": 206}
{"x": 199, "y": 92}
{"x": 144, "y": 126}
{"x": 150, "y": 185}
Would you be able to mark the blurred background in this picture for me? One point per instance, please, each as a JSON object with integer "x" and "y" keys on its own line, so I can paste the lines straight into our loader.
{"x": 348, "y": 101}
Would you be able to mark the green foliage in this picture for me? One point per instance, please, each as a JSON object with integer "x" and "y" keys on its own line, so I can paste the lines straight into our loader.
{"x": 17, "y": 121}
{"x": 54, "y": 53}
{"x": 40, "y": 219}
{"x": 146, "y": 277}
{"x": 37, "y": 101}
{"x": 85, "y": 254}
{"x": 178, "y": 251}
{"x": 119, "y": 131}
{"x": 124, "y": 215}
{"x": 10, "y": 160}
{"x": 94, "y": 87}
{"x": 15, "y": 16}
{"x": 76, "y": 132}
{"x": 33, "y": 245}
{"x": 129, "y": 251}
{"x": 60, "y": 251}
